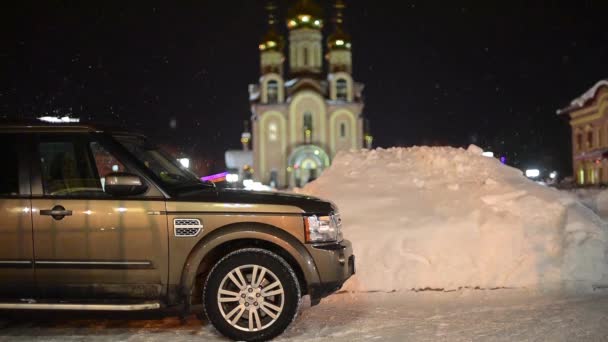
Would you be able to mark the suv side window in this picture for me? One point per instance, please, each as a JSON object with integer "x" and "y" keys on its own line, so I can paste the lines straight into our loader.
{"x": 105, "y": 162}
{"x": 75, "y": 166}
{"x": 67, "y": 168}
{"x": 9, "y": 172}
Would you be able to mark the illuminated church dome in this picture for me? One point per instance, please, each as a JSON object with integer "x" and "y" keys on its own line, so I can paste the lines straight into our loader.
{"x": 272, "y": 40}
{"x": 305, "y": 13}
{"x": 339, "y": 39}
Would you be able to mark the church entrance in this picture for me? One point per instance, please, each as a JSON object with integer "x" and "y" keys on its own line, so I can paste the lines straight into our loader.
{"x": 306, "y": 163}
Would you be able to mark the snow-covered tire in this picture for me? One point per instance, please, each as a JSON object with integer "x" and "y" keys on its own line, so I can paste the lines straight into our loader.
{"x": 260, "y": 295}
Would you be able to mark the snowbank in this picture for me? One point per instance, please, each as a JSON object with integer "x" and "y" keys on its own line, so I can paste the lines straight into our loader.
{"x": 595, "y": 199}
{"x": 446, "y": 218}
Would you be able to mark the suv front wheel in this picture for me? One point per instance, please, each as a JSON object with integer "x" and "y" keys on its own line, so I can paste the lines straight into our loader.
{"x": 251, "y": 295}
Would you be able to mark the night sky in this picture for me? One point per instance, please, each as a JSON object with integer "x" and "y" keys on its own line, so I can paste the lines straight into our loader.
{"x": 474, "y": 72}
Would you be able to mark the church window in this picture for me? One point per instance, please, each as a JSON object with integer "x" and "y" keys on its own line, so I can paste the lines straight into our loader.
{"x": 342, "y": 130}
{"x": 272, "y": 91}
{"x": 590, "y": 139}
{"x": 341, "y": 90}
{"x": 308, "y": 127}
{"x": 305, "y": 58}
{"x": 272, "y": 131}
{"x": 579, "y": 141}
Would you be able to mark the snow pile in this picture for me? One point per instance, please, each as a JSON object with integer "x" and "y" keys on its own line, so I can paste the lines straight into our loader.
{"x": 446, "y": 218}
{"x": 595, "y": 199}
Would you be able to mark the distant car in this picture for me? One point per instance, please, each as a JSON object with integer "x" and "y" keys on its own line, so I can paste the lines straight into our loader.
{"x": 98, "y": 219}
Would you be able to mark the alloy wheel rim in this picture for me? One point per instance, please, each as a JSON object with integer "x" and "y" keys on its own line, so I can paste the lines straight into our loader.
{"x": 251, "y": 298}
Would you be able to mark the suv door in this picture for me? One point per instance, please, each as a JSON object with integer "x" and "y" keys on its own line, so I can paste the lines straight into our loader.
{"x": 89, "y": 244}
{"x": 16, "y": 246}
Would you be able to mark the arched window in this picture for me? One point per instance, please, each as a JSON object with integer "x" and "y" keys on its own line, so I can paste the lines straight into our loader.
{"x": 579, "y": 141}
{"x": 305, "y": 58}
{"x": 590, "y": 139}
{"x": 342, "y": 130}
{"x": 308, "y": 127}
{"x": 341, "y": 90}
{"x": 273, "y": 131}
{"x": 272, "y": 91}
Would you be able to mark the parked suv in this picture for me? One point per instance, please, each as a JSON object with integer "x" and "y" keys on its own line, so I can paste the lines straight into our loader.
{"x": 98, "y": 219}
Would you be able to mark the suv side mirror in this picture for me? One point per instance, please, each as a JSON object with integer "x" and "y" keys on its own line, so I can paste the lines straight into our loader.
{"x": 124, "y": 184}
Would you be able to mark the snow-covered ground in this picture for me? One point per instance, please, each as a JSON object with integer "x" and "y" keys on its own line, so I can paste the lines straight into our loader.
{"x": 467, "y": 315}
{"x": 448, "y": 218}
{"x": 595, "y": 199}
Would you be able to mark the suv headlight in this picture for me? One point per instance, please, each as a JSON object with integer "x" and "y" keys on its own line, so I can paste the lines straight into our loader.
{"x": 323, "y": 228}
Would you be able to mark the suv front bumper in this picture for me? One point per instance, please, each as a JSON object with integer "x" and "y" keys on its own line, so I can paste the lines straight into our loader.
{"x": 335, "y": 263}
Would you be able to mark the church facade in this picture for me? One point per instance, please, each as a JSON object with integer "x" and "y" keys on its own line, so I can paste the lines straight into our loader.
{"x": 306, "y": 106}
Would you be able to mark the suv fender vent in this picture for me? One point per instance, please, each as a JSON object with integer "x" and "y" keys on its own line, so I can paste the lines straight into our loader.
{"x": 187, "y": 227}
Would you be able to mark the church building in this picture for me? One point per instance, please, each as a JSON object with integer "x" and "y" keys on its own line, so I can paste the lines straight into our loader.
{"x": 306, "y": 107}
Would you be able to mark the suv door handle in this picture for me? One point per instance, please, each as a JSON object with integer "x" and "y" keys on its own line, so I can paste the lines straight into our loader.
{"x": 58, "y": 212}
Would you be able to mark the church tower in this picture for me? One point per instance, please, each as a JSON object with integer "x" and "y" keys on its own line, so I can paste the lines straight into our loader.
{"x": 272, "y": 60}
{"x": 306, "y": 112}
{"x": 305, "y": 21}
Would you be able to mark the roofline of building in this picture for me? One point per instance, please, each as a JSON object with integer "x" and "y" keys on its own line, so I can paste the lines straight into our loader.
{"x": 585, "y": 98}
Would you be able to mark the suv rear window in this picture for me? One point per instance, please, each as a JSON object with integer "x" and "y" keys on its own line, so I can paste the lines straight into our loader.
{"x": 9, "y": 172}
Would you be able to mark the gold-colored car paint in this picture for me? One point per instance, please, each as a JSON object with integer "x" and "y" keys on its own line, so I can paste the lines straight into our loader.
{"x": 214, "y": 216}
{"x": 101, "y": 230}
{"x": 16, "y": 247}
{"x": 87, "y": 249}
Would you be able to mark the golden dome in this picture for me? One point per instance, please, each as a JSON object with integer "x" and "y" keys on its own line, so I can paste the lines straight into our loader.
{"x": 272, "y": 40}
{"x": 339, "y": 39}
{"x": 305, "y": 13}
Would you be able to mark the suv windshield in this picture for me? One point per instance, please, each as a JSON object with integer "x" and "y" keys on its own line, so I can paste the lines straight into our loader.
{"x": 167, "y": 170}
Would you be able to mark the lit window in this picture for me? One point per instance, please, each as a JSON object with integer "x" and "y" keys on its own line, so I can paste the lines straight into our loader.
{"x": 308, "y": 127}
{"x": 272, "y": 132}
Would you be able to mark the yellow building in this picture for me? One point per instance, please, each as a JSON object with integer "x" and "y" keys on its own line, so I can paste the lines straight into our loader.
{"x": 589, "y": 122}
{"x": 306, "y": 106}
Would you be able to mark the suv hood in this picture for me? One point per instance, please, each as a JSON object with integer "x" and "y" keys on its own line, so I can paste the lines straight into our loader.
{"x": 308, "y": 204}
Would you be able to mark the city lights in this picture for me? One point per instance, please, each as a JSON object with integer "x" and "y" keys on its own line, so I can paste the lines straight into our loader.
{"x": 532, "y": 173}
{"x": 232, "y": 178}
{"x": 553, "y": 175}
{"x": 185, "y": 162}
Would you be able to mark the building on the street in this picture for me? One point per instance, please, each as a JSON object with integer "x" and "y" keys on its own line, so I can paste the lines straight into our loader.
{"x": 306, "y": 107}
{"x": 589, "y": 122}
